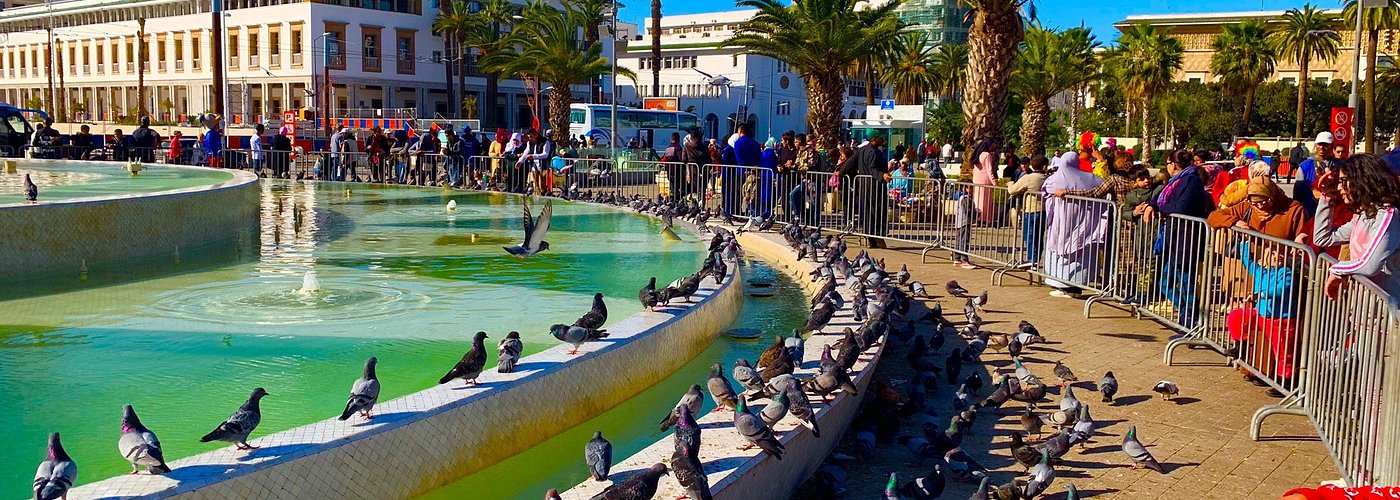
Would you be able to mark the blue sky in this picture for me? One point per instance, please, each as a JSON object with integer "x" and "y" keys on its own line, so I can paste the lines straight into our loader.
{"x": 1097, "y": 14}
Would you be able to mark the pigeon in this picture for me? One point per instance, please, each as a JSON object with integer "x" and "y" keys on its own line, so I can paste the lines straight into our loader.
{"x": 596, "y": 316}
{"x": 638, "y": 487}
{"x": 997, "y": 397}
{"x": 981, "y": 493}
{"x": 1031, "y": 423}
{"x": 892, "y": 487}
{"x": 917, "y": 288}
{"x": 1063, "y": 373}
{"x": 770, "y": 353}
{"x": 902, "y": 277}
{"x": 1136, "y": 451}
{"x": 981, "y": 300}
{"x": 690, "y": 474}
{"x": 648, "y": 295}
{"x": 508, "y": 352}
{"x": 1061, "y": 417}
{"x": 1071, "y": 493}
{"x": 820, "y": 317}
{"x": 469, "y": 368}
{"x": 1108, "y": 387}
{"x": 1024, "y": 374}
{"x": 1026, "y": 455}
{"x": 31, "y": 193}
{"x": 782, "y": 364}
{"x": 1057, "y": 445}
{"x": 1041, "y": 476}
{"x": 795, "y": 346}
{"x": 598, "y": 455}
{"x": 139, "y": 445}
{"x": 801, "y": 408}
{"x": 363, "y": 393}
{"x": 955, "y": 289}
{"x": 239, "y": 425}
{"x": 952, "y": 366}
{"x": 1067, "y": 400}
{"x": 1083, "y": 428}
{"x": 575, "y": 335}
{"x": 720, "y": 390}
{"x": 746, "y": 376}
{"x": 1166, "y": 388}
{"x": 756, "y": 432}
{"x": 690, "y": 400}
{"x": 776, "y": 410}
{"x": 824, "y": 384}
{"x": 687, "y": 431}
{"x": 552, "y": 494}
{"x": 927, "y": 487}
{"x": 534, "y": 233}
{"x": 56, "y": 474}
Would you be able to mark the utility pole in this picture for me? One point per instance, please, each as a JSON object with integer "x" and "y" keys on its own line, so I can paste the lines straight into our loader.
{"x": 220, "y": 63}
{"x": 49, "y": 62}
{"x": 326, "y": 81}
{"x": 141, "y": 67}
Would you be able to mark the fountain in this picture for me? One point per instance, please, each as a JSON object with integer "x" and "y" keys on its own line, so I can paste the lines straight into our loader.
{"x": 309, "y": 284}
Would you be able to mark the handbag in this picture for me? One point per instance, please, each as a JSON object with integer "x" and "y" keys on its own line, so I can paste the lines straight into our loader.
{"x": 834, "y": 182}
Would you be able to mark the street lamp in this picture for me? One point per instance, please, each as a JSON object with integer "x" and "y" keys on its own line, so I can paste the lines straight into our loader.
{"x": 612, "y": 81}
{"x": 325, "y": 111}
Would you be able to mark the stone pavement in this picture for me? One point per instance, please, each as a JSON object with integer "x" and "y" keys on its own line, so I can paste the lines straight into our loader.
{"x": 1201, "y": 437}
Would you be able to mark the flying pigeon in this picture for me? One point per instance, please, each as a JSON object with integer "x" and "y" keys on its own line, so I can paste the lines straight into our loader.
{"x": 692, "y": 399}
{"x": 756, "y": 432}
{"x": 720, "y": 390}
{"x": 1108, "y": 387}
{"x": 534, "y": 233}
{"x": 596, "y": 316}
{"x": 598, "y": 455}
{"x": 638, "y": 487}
{"x": 690, "y": 474}
{"x": 648, "y": 295}
{"x": 31, "y": 193}
{"x": 508, "y": 352}
{"x": 363, "y": 393}
{"x": 1166, "y": 388}
{"x": 1136, "y": 451}
{"x": 469, "y": 368}
{"x": 139, "y": 445}
{"x": 238, "y": 426}
{"x": 575, "y": 335}
{"x": 56, "y": 474}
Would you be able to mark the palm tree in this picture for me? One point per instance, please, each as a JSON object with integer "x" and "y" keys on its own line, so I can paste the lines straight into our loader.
{"x": 1049, "y": 63}
{"x": 1242, "y": 59}
{"x": 1386, "y": 17}
{"x": 819, "y": 39}
{"x": 1391, "y": 76}
{"x": 1306, "y": 35}
{"x": 996, "y": 32}
{"x": 485, "y": 36}
{"x": 949, "y": 63}
{"x": 546, "y": 48}
{"x": 453, "y": 22}
{"x": 910, "y": 68}
{"x": 655, "y": 47}
{"x": 594, "y": 13}
{"x": 1144, "y": 64}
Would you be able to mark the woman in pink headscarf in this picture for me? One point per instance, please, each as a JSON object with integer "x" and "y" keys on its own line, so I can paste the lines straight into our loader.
{"x": 984, "y": 174}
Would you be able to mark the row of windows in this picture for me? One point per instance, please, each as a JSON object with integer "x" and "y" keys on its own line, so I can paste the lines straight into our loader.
{"x": 668, "y": 62}
{"x": 165, "y": 51}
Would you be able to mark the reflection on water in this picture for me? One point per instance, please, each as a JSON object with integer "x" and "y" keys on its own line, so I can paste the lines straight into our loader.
{"x": 185, "y": 340}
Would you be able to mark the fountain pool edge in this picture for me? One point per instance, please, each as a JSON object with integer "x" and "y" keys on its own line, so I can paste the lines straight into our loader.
{"x": 58, "y": 236}
{"x": 426, "y": 439}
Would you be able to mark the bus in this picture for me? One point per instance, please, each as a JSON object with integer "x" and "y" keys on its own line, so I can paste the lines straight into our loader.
{"x": 650, "y": 128}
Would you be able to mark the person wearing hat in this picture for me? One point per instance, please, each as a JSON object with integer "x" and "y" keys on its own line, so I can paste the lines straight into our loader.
{"x": 213, "y": 140}
{"x": 1309, "y": 171}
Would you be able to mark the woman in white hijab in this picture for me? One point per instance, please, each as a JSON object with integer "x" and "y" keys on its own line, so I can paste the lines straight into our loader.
{"x": 1075, "y": 230}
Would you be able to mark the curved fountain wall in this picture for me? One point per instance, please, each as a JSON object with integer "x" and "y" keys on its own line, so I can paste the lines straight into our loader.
{"x": 426, "y": 439}
{"x": 58, "y": 236}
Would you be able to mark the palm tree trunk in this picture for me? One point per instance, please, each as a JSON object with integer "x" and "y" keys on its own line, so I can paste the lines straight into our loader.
{"x": 559, "y": 99}
{"x": 491, "y": 117}
{"x": 825, "y": 94}
{"x": 463, "y": 52}
{"x": 1302, "y": 95}
{"x": 1372, "y": 39}
{"x": 1034, "y": 117}
{"x": 449, "y": 46}
{"x": 1145, "y": 144}
{"x": 992, "y": 42}
{"x": 1248, "y": 110}
{"x": 1075, "y": 101}
{"x": 870, "y": 84}
{"x": 655, "y": 47}
{"x": 591, "y": 35}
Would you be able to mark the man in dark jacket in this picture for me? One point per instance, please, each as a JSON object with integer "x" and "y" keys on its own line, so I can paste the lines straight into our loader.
{"x": 696, "y": 157}
{"x": 871, "y": 188}
{"x": 744, "y": 151}
{"x": 144, "y": 141}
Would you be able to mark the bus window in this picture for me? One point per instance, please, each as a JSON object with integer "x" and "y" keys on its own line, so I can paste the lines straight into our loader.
{"x": 602, "y": 118}
{"x": 689, "y": 122}
{"x": 630, "y": 119}
{"x": 576, "y": 116}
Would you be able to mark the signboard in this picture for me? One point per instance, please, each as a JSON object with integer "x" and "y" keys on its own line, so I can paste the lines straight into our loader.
{"x": 661, "y": 103}
{"x": 289, "y": 123}
{"x": 886, "y": 104}
{"x": 1343, "y": 122}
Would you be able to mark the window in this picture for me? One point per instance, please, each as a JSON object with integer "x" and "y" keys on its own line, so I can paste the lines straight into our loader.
{"x": 405, "y": 51}
{"x": 233, "y": 49}
{"x": 274, "y": 48}
{"x": 179, "y": 53}
{"x": 195, "y": 49}
{"x": 1289, "y": 80}
{"x": 130, "y": 55}
{"x": 296, "y": 45}
{"x": 577, "y": 116}
{"x": 736, "y": 60}
{"x": 254, "y": 49}
{"x": 370, "y": 49}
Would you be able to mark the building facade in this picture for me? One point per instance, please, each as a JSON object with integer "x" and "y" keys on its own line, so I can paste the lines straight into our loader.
{"x": 382, "y": 54}
{"x": 1196, "y": 31}
{"x": 945, "y": 21}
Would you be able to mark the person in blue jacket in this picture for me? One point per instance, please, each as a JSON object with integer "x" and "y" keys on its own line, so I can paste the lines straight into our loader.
{"x": 742, "y": 151}
{"x": 1179, "y": 243}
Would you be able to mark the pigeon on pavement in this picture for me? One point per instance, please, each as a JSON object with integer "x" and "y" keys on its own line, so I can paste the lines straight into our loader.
{"x": 692, "y": 399}
{"x": 720, "y": 390}
{"x": 1108, "y": 387}
{"x": 1136, "y": 451}
{"x": 756, "y": 432}
{"x": 139, "y": 445}
{"x": 1166, "y": 388}
{"x": 648, "y": 295}
{"x": 56, "y": 474}
{"x": 598, "y": 455}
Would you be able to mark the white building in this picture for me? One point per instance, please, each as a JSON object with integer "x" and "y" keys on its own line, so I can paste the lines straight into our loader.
{"x": 690, "y": 50}
{"x": 383, "y": 54}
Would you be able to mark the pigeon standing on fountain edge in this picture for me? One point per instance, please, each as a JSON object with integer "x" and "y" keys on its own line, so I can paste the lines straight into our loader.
{"x": 31, "y": 191}
{"x": 56, "y": 474}
{"x": 596, "y": 316}
{"x": 139, "y": 445}
{"x": 469, "y": 368}
{"x": 691, "y": 400}
{"x": 534, "y": 232}
{"x": 508, "y": 352}
{"x": 598, "y": 455}
{"x": 364, "y": 393}
{"x": 239, "y": 425}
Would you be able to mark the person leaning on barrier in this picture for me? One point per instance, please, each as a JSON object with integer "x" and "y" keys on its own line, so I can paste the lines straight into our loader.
{"x": 45, "y": 140}
{"x": 82, "y": 143}
{"x": 696, "y": 157}
{"x": 145, "y": 140}
{"x": 1176, "y": 244}
{"x": 1033, "y": 209}
{"x": 1365, "y": 183}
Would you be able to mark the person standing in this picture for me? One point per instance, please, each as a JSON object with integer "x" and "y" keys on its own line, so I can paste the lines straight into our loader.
{"x": 696, "y": 158}
{"x": 538, "y": 154}
{"x": 785, "y": 163}
{"x": 213, "y": 140}
{"x": 259, "y": 151}
{"x": 672, "y": 164}
{"x": 282, "y": 153}
{"x": 333, "y": 144}
{"x": 145, "y": 141}
{"x": 1311, "y": 168}
{"x": 1028, "y": 188}
{"x": 1178, "y": 244}
{"x": 496, "y": 151}
{"x": 984, "y": 175}
{"x": 1296, "y": 155}
{"x": 870, "y": 192}
{"x": 1075, "y": 232}
{"x": 452, "y": 157}
{"x": 1367, "y": 185}
{"x": 471, "y": 147}
{"x": 743, "y": 151}
{"x": 82, "y": 143}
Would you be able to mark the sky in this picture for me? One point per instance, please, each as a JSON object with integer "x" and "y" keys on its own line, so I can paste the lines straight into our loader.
{"x": 1099, "y": 15}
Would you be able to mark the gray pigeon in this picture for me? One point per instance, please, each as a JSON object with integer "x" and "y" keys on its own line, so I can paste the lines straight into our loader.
{"x": 720, "y": 390}
{"x": 1136, "y": 451}
{"x": 575, "y": 335}
{"x": 31, "y": 191}
{"x": 746, "y": 376}
{"x": 598, "y": 455}
{"x": 648, "y": 296}
{"x": 799, "y": 406}
{"x": 1068, "y": 402}
{"x": 826, "y": 383}
{"x": 1166, "y": 388}
{"x": 638, "y": 487}
{"x": 756, "y": 432}
{"x": 1063, "y": 373}
{"x": 364, "y": 393}
{"x": 690, "y": 473}
{"x": 472, "y": 363}
{"x": 1083, "y": 428}
{"x": 917, "y": 288}
{"x": 56, "y": 474}
{"x": 775, "y": 410}
{"x": 902, "y": 276}
{"x": 690, "y": 400}
{"x": 238, "y": 426}
{"x": 534, "y": 233}
{"x": 508, "y": 352}
{"x": 1108, "y": 387}
{"x": 139, "y": 445}
{"x": 795, "y": 346}
{"x": 687, "y": 436}
{"x": 1041, "y": 476}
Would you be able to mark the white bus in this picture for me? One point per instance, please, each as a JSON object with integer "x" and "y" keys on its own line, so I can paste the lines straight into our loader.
{"x": 650, "y": 128}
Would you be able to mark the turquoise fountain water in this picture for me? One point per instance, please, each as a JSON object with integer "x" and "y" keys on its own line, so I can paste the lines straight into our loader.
{"x": 400, "y": 277}
{"x": 74, "y": 180}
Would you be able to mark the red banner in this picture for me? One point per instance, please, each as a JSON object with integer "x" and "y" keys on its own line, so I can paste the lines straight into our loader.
{"x": 1343, "y": 124}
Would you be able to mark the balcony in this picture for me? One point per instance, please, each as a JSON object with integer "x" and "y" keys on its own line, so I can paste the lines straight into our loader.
{"x": 296, "y": 60}
{"x": 87, "y": 70}
{"x": 73, "y": 69}
{"x": 160, "y": 66}
{"x": 101, "y": 68}
{"x": 253, "y": 61}
{"x": 233, "y": 62}
{"x": 194, "y": 65}
{"x": 337, "y": 61}
{"x": 179, "y": 65}
{"x": 371, "y": 64}
{"x": 406, "y": 66}
{"x": 274, "y": 60}
{"x": 145, "y": 66}
{"x": 130, "y": 67}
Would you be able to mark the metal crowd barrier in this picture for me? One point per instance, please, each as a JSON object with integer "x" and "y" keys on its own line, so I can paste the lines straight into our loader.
{"x": 1170, "y": 286}
{"x": 989, "y": 233}
{"x": 1080, "y": 249}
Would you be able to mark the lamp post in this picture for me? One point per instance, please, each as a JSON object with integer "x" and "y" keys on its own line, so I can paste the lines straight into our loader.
{"x": 325, "y": 92}
{"x": 612, "y": 82}
{"x": 1353, "y": 100}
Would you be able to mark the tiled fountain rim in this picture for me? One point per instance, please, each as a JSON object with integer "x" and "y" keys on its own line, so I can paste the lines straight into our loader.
{"x": 226, "y": 465}
{"x": 240, "y": 178}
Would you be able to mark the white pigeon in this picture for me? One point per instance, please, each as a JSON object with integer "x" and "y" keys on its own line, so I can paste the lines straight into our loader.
{"x": 534, "y": 233}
